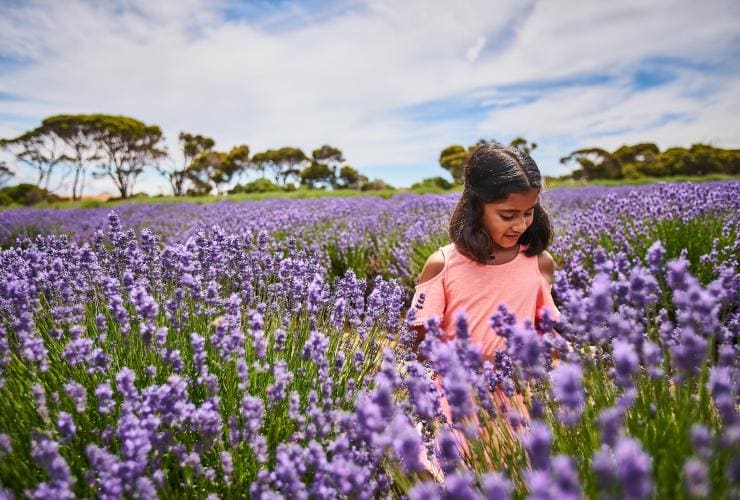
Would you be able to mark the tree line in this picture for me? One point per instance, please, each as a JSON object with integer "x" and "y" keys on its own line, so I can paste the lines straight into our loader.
{"x": 646, "y": 160}
{"x": 626, "y": 162}
{"x": 70, "y": 148}
{"x": 121, "y": 148}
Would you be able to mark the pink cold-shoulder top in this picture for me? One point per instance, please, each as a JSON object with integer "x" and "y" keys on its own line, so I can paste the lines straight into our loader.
{"x": 479, "y": 289}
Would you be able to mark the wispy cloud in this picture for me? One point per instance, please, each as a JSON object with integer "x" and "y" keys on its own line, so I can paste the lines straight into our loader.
{"x": 390, "y": 83}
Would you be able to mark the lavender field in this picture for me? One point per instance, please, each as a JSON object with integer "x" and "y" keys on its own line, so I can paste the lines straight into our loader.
{"x": 260, "y": 349}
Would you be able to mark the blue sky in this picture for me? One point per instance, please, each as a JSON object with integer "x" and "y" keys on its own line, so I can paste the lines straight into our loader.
{"x": 390, "y": 83}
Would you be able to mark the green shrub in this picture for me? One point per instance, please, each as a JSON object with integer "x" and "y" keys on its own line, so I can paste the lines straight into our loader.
{"x": 434, "y": 182}
{"x": 26, "y": 194}
{"x": 376, "y": 185}
{"x": 257, "y": 186}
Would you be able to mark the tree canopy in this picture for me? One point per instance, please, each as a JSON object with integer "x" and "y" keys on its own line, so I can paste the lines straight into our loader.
{"x": 5, "y": 173}
{"x": 284, "y": 162}
{"x": 39, "y": 149}
{"x": 78, "y": 134}
{"x": 452, "y": 158}
{"x": 646, "y": 160}
{"x": 121, "y": 148}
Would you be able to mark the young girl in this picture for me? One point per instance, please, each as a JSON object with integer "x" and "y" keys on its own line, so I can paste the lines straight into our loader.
{"x": 498, "y": 256}
{"x": 499, "y": 234}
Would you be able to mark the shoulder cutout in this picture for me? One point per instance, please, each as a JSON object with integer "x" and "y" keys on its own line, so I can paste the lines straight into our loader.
{"x": 433, "y": 266}
{"x": 546, "y": 265}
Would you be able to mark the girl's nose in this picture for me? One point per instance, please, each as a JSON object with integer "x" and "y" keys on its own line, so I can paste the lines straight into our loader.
{"x": 520, "y": 225}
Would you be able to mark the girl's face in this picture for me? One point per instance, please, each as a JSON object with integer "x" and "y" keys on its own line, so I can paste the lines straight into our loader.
{"x": 505, "y": 221}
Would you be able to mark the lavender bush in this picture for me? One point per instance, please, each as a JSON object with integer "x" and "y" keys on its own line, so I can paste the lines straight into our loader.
{"x": 260, "y": 349}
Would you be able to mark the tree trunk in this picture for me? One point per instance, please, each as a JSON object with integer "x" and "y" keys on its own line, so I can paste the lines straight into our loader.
{"x": 74, "y": 183}
{"x": 82, "y": 183}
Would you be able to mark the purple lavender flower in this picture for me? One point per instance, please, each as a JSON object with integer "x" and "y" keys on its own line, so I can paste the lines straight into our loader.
{"x": 540, "y": 485}
{"x": 45, "y": 452}
{"x": 643, "y": 288}
{"x": 461, "y": 325}
{"x": 428, "y": 490}
{"x": 107, "y": 467}
{"x": 125, "y": 383}
{"x": 447, "y": 451}
{"x": 701, "y": 438}
{"x": 605, "y": 467}
{"x": 6, "y": 446}
{"x": 567, "y": 387}
{"x": 496, "y": 486}
{"x": 655, "y": 255}
{"x": 689, "y": 351}
{"x": 610, "y": 421}
{"x": 696, "y": 478}
{"x": 252, "y": 413}
{"x": 626, "y": 362}
{"x": 39, "y": 395}
{"x": 459, "y": 393}
{"x": 207, "y": 420}
{"x": 567, "y": 485}
{"x": 728, "y": 355}
{"x": 525, "y": 346}
{"x": 407, "y": 446}
{"x": 78, "y": 351}
{"x": 227, "y": 465}
{"x": 78, "y": 394}
{"x": 104, "y": 393}
{"x": 459, "y": 485}
{"x": 652, "y": 356}
{"x": 538, "y": 443}
{"x": 277, "y": 391}
{"x": 144, "y": 304}
{"x": 66, "y": 425}
{"x": 722, "y": 388}
{"x": 316, "y": 347}
{"x": 633, "y": 467}
{"x": 600, "y": 301}
{"x": 420, "y": 392}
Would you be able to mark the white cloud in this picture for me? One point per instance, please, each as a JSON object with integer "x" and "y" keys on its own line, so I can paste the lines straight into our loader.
{"x": 340, "y": 74}
{"x": 474, "y": 51}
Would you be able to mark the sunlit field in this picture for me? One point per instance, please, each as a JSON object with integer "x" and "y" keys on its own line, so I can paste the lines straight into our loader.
{"x": 260, "y": 348}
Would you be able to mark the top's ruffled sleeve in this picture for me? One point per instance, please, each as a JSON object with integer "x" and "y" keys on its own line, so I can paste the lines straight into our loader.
{"x": 429, "y": 299}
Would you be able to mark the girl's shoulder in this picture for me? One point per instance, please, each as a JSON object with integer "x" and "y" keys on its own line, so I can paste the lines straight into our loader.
{"x": 546, "y": 265}
{"x": 435, "y": 264}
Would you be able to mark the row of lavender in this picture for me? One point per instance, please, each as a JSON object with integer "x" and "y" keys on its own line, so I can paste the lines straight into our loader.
{"x": 369, "y": 235}
{"x": 229, "y": 361}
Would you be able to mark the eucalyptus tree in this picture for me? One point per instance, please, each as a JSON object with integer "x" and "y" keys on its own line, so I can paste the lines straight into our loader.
{"x": 192, "y": 146}
{"x": 523, "y": 144}
{"x": 452, "y": 159}
{"x": 595, "y": 163}
{"x": 318, "y": 175}
{"x": 216, "y": 168}
{"x": 199, "y": 172}
{"x": 350, "y": 178}
{"x": 284, "y": 162}
{"x": 77, "y": 132}
{"x": 39, "y": 149}
{"x": 126, "y": 146}
{"x": 5, "y": 173}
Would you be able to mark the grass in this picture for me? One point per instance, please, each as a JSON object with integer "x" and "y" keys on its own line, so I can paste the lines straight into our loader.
{"x": 386, "y": 193}
{"x": 201, "y": 200}
{"x": 556, "y": 183}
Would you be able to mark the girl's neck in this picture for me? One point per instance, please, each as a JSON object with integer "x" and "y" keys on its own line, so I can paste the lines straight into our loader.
{"x": 502, "y": 255}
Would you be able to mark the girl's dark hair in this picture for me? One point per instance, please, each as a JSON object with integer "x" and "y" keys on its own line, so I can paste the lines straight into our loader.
{"x": 492, "y": 172}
